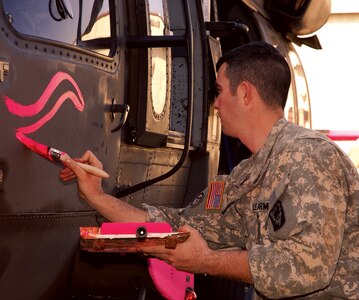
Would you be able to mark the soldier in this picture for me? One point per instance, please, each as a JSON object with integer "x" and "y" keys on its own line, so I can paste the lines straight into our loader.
{"x": 286, "y": 219}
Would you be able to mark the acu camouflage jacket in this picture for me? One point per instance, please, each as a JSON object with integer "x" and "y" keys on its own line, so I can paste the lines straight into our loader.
{"x": 294, "y": 206}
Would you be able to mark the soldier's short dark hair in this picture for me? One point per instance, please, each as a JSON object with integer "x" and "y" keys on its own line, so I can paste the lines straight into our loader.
{"x": 262, "y": 65}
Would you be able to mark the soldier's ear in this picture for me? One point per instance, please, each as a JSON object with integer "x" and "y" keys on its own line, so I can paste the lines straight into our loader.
{"x": 244, "y": 92}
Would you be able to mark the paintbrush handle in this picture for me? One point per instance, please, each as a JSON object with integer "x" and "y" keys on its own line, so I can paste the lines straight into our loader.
{"x": 88, "y": 168}
{"x": 93, "y": 170}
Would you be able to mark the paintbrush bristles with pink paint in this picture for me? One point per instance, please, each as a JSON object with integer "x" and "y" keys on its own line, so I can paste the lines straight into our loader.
{"x": 57, "y": 155}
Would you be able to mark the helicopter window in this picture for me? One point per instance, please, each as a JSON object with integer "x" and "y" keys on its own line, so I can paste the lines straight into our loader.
{"x": 158, "y": 26}
{"x": 157, "y": 19}
{"x": 80, "y": 23}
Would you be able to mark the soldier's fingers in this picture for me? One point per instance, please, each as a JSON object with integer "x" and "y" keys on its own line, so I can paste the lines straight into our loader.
{"x": 90, "y": 158}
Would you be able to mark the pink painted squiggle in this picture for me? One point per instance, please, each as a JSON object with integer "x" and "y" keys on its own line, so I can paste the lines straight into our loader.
{"x": 35, "y": 126}
{"x": 33, "y": 109}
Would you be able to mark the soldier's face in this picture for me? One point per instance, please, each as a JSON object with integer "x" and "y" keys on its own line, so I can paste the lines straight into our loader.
{"x": 227, "y": 104}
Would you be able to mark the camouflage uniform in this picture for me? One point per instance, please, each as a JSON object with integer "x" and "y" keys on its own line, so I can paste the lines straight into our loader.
{"x": 294, "y": 206}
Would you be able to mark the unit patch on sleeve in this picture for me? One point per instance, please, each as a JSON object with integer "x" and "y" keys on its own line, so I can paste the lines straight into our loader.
{"x": 197, "y": 200}
{"x": 215, "y": 194}
{"x": 277, "y": 216}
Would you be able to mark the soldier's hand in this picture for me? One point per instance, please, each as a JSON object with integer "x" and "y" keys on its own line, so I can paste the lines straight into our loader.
{"x": 187, "y": 256}
{"x": 89, "y": 186}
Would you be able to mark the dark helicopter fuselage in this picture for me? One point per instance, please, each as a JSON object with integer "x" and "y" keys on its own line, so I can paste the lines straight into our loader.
{"x": 131, "y": 81}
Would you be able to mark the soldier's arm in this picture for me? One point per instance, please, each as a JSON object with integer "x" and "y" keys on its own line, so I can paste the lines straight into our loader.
{"x": 303, "y": 250}
{"x": 89, "y": 187}
{"x": 195, "y": 256}
{"x": 221, "y": 227}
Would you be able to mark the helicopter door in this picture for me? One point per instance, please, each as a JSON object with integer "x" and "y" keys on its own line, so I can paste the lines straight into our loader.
{"x": 62, "y": 73}
{"x": 150, "y": 74}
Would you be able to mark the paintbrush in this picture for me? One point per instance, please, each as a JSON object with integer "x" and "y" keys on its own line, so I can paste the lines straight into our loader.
{"x": 57, "y": 155}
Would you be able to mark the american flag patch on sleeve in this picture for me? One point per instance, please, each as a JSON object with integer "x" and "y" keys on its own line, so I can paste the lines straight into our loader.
{"x": 215, "y": 193}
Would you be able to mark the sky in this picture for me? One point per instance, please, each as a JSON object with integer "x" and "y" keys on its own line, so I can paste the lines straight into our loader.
{"x": 332, "y": 72}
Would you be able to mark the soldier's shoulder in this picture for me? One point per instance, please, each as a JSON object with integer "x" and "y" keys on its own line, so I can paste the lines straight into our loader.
{"x": 300, "y": 139}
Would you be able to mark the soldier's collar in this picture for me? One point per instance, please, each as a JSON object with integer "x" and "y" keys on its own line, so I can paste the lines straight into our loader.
{"x": 260, "y": 159}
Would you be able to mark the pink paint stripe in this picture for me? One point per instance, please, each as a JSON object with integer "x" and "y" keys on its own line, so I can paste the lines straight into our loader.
{"x": 33, "y": 109}
{"x": 35, "y": 126}
{"x": 33, "y": 145}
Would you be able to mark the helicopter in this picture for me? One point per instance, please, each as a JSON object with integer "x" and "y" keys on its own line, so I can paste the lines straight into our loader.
{"x": 132, "y": 81}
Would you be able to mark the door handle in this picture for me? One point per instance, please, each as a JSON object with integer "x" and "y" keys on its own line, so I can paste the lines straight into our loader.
{"x": 4, "y": 69}
{"x": 122, "y": 109}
